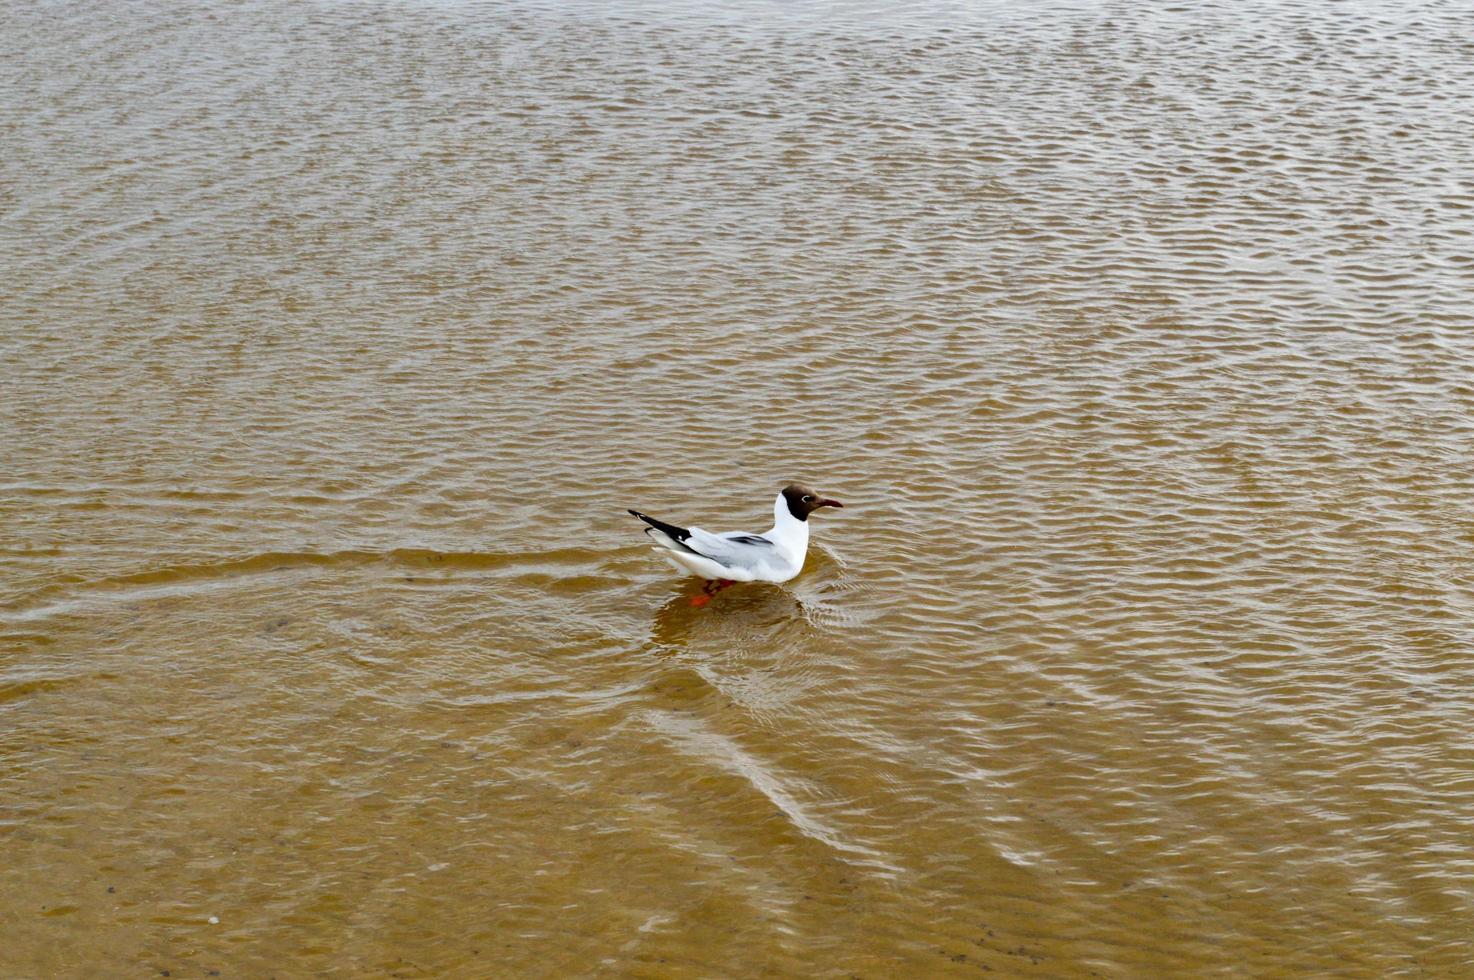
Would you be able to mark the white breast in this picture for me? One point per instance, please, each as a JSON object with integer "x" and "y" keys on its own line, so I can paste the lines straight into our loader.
{"x": 791, "y": 538}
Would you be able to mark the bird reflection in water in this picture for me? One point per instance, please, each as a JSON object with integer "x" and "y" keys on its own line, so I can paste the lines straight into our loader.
{"x": 753, "y": 613}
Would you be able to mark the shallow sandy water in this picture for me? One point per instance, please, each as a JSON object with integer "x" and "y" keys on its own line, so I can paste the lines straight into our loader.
{"x": 336, "y": 338}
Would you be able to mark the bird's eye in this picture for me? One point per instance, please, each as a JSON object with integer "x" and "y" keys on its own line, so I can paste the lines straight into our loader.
{"x": 808, "y": 498}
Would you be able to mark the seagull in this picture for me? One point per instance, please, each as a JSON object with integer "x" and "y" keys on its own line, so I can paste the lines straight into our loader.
{"x": 726, "y": 559}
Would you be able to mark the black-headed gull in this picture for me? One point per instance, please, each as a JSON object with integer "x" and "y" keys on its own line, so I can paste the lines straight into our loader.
{"x": 725, "y": 559}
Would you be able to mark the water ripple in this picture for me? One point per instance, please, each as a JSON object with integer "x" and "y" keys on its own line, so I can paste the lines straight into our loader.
{"x": 336, "y": 339}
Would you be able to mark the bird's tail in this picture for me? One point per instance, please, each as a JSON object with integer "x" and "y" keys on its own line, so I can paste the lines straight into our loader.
{"x": 668, "y": 535}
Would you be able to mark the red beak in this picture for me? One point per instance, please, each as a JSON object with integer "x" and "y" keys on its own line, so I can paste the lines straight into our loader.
{"x": 830, "y": 503}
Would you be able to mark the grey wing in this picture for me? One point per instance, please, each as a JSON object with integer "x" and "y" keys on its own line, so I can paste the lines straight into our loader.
{"x": 755, "y": 539}
{"x": 751, "y": 552}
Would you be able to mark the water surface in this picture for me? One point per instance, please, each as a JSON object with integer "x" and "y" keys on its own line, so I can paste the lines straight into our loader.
{"x": 335, "y": 339}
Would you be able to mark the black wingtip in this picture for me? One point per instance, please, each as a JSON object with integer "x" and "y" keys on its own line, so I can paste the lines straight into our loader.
{"x": 676, "y": 534}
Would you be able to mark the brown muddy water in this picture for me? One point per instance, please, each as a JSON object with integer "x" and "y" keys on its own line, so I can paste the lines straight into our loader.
{"x": 335, "y": 339}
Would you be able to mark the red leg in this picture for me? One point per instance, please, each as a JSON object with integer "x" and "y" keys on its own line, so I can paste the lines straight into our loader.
{"x": 709, "y": 589}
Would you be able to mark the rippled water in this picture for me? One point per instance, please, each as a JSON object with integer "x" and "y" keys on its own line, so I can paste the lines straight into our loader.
{"x": 335, "y": 339}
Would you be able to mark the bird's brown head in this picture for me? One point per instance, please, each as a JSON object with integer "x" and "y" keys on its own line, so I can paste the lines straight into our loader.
{"x": 802, "y": 501}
